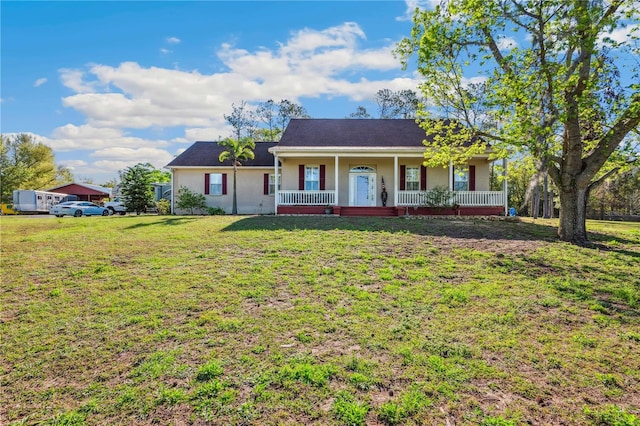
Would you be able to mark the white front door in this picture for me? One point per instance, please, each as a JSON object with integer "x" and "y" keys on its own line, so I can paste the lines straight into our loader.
{"x": 362, "y": 189}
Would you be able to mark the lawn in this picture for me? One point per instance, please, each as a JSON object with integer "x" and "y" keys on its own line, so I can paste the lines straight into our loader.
{"x": 316, "y": 320}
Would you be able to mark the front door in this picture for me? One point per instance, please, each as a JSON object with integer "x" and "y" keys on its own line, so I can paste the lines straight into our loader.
{"x": 362, "y": 187}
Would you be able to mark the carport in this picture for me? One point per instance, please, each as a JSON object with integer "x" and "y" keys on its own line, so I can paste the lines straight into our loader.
{"x": 84, "y": 191}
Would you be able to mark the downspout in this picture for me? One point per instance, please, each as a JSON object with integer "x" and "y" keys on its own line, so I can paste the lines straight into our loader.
{"x": 450, "y": 175}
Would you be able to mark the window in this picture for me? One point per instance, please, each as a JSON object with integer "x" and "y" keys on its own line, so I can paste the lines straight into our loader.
{"x": 272, "y": 183}
{"x": 311, "y": 178}
{"x": 215, "y": 183}
{"x": 412, "y": 179}
{"x": 461, "y": 178}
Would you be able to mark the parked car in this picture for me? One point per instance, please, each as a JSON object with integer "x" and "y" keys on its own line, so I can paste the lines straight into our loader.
{"x": 78, "y": 208}
{"x": 116, "y": 206}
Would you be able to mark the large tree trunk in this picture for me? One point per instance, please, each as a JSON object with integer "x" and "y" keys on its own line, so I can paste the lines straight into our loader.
{"x": 573, "y": 210}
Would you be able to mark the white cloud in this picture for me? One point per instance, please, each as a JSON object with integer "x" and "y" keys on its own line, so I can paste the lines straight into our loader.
{"x": 622, "y": 34}
{"x": 165, "y": 51}
{"x": 74, "y": 165}
{"x": 132, "y": 96}
{"x": 506, "y": 43}
{"x": 39, "y": 82}
{"x": 86, "y": 137}
{"x": 173, "y": 40}
{"x": 413, "y": 4}
{"x": 73, "y": 79}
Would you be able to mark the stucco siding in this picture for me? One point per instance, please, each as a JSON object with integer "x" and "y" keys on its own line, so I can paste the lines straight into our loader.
{"x": 250, "y": 191}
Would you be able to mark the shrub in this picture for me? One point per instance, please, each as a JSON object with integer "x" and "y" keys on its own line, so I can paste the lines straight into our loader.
{"x": 163, "y": 206}
{"x": 189, "y": 200}
{"x": 216, "y": 211}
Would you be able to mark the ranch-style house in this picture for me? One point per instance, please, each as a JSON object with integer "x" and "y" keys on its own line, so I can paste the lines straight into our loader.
{"x": 362, "y": 167}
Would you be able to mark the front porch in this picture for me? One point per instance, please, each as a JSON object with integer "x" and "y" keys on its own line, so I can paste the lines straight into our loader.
{"x": 461, "y": 203}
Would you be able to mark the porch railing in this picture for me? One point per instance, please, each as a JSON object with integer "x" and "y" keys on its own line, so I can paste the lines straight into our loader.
{"x": 461, "y": 198}
{"x": 405, "y": 198}
{"x": 306, "y": 198}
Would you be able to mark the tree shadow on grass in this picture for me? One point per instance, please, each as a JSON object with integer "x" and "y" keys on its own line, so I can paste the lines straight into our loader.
{"x": 454, "y": 228}
{"x": 463, "y": 228}
{"x": 165, "y": 221}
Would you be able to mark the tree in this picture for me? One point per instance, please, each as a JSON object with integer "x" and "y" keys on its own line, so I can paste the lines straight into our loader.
{"x": 237, "y": 151}
{"x": 556, "y": 89}
{"x": 136, "y": 189}
{"x": 189, "y": 200}
{"x": 242, "y": 120}
{"x": 400, "y": 104}
{"x": 28, "y": 164}
{"x": 288, "y": 110}
{"x": 361, "y": 112}
{"x": 266, "y": 112}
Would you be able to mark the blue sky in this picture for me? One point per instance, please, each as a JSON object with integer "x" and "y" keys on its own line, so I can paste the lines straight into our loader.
{"x": 110, "y": 84}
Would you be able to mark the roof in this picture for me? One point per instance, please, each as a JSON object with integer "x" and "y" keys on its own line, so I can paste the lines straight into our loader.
{"x": 205, "y": 154}
{"x": 383, "y": 133}
{"x": 94, "y": 188}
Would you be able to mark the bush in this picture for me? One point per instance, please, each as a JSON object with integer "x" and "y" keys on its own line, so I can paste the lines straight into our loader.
{"x": 189, "y": 200}
{"x": 163, "y": 206}
{"x": 215, "y": 211}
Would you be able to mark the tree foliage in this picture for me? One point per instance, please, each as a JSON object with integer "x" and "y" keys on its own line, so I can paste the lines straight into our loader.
{"x": 361, "y": 112}
{"x": 236, "y": 151}
{"x": 28, "y": 164}
{"x": 189, "y": 200}
{"x": 548, "y": 77}
{"x": 400, "y": 104}
{"x": 136, "y": 189}
{"x": 242, "y": 120}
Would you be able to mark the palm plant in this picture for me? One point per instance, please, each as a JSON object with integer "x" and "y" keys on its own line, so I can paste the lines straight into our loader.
{"x": 237, "y": 150}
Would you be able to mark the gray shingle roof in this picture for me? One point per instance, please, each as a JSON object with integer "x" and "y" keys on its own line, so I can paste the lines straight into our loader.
{"x": 352, "y": 133}
{"x": 205, "y": 154}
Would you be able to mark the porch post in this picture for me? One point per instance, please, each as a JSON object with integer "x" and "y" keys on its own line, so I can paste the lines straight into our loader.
{"x": 450, "y": 175}
{"x": 505, "y": 187}
{"x": 275, "y": 156}
{"x": 335, "y": 190}
{"x": 396, "y": 178}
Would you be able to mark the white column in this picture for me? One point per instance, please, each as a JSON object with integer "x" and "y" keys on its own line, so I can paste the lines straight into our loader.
{"x": 396, "y": 179}
{"x": 275, "y": 164}
{"x": 336, "y": 181}
{"x": 450, "y": 175}
{"x": 505, "y": 187}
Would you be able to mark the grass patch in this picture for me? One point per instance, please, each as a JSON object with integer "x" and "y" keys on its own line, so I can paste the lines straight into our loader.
{"x": 316, "y": 320}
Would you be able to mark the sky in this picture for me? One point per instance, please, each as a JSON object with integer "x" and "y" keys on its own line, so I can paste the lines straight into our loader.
{"x": 110, "y": 84}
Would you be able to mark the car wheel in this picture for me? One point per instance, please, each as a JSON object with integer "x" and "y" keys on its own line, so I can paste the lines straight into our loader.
{"x": 111, "y": 210}
{"x": 123, "y": 213}
{"x": 59, "y": 215}
{"x": 105, "y": 213}
{"x": 78, "y": 213}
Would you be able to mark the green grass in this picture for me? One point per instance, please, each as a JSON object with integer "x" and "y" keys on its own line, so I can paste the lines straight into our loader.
{"x": 317, "y": 320}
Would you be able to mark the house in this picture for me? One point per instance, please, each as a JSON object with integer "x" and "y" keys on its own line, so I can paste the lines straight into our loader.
{"x": 84, "y": 191}
{"x": 355, "y": 166}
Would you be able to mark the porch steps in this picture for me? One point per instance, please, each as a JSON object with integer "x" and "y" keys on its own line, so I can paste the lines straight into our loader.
{"x": 368, "y": 211}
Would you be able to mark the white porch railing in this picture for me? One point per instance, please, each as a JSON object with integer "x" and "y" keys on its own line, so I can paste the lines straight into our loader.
{"x": 306, "y": 198}
{"x": 461, "y": 198}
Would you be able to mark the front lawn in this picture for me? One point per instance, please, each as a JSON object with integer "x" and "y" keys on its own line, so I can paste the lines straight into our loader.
{"x": 316, "y": 320}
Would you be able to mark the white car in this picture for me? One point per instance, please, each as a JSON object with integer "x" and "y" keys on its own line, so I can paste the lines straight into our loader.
{"x": 78, "y": 208}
